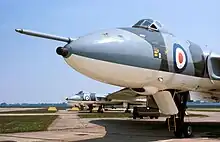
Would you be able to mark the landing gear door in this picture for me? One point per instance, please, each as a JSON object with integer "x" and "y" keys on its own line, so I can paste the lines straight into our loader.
{"x": 213, "y": 66}
{"x": 209, "y": 67}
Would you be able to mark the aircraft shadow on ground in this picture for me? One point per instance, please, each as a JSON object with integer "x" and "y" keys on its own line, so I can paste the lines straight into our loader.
{"x": 133, "y": 131}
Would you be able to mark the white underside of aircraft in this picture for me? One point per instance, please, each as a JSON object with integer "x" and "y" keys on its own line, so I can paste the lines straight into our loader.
{"x": 151, "y": 80}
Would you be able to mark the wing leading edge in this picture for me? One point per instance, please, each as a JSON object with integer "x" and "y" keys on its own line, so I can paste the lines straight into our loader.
{"x": 123, "y": 94}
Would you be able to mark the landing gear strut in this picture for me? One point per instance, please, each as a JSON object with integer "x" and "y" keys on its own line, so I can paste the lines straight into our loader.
{"x": 81, "y": 107}
{"x": 127, "y": 108}
{"x": 100, "y": 109}
{"x": 177, "y": 121}
{"x": 90, "y": 108}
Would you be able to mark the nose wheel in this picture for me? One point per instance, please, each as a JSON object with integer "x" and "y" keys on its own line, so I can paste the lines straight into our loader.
{"x": 184, "y": 130}
{"x": 187, "y": 131}
{"x": 176, "y": 122}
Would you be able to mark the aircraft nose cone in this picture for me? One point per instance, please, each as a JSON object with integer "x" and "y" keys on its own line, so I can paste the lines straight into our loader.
{"x": 113, "y": 45}
{"x": 102, "y": 42}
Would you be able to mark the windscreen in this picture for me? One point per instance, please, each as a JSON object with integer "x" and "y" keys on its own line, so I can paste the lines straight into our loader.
{"x": 143, "y": 23}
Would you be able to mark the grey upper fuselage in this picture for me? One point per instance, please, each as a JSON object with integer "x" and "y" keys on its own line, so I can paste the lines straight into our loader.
{"x": 85, "y": 96}
{"x": 135, "y": 46}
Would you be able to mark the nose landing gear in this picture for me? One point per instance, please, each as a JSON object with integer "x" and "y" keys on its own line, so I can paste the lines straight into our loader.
{"x": 176, "y": 122}
{"x": 180, "y": 129}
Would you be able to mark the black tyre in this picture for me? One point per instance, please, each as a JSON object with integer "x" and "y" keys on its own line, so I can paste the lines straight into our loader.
{"x": 179, "y": 129}
{"x": 134, "y": 116}
{"x": 187, "y": 131}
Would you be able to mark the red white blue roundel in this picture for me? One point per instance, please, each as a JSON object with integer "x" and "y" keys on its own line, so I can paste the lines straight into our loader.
{"x": 86, "y": 97}
{"x": 179, "y": 57}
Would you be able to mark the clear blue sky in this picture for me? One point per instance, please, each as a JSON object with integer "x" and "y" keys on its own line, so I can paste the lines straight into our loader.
{"x": 31, "y": 71}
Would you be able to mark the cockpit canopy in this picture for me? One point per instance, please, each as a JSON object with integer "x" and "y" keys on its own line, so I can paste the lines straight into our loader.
{"x": 80, "y": 92}
{"x": 148, "y": 24}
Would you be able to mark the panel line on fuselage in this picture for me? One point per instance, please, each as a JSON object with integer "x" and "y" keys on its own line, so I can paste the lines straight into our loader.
{"x": 157, "y": 42}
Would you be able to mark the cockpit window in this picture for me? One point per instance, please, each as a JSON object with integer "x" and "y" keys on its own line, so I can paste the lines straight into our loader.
{"x": 147, "y": 23}
{"x": 158, "y": 24}
{"x": 151, "y": 25}
{"x": 80, "y": 92}
{"x": 138, "y": 23}
{"x": 149, "y": 20}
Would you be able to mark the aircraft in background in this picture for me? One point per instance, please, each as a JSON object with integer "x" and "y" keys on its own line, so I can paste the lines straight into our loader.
{"x": 89, "y": 100}
{"x": 145, "y": 59}
{"x": 83, "y": 100}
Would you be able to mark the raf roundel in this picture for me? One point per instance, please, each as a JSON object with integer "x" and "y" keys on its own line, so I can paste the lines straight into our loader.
{"x": 180, "y": 58}
{"x": 86, "y": 97}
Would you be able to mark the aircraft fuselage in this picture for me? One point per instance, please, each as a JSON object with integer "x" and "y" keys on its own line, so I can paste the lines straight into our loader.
{"x": 137, "y": 57}
{"x": 142, "y": 56}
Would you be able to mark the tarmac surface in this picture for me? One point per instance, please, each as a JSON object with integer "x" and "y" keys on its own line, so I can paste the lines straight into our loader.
{"x": 69, "y": 127}
{"x": 16, "y": 109}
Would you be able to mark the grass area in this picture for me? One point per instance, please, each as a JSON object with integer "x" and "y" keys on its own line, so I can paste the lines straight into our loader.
{"x": 29, "y": 111}
{"x": 12, "y": 124}
{"x": 123, "y": 115}
{"x": 204, "y": 109}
